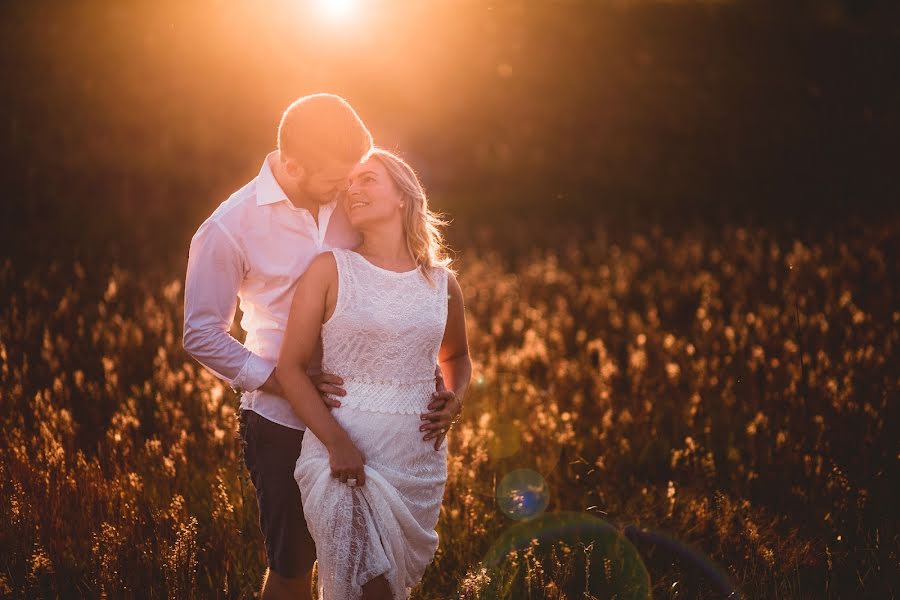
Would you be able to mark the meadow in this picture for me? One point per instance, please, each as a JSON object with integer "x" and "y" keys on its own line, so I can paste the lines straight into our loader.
{"x": 719, "y": 402}
{"x": 669, "y": 399}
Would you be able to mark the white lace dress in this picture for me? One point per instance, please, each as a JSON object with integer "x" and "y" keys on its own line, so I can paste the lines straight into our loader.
{"x": 383, "y": 340}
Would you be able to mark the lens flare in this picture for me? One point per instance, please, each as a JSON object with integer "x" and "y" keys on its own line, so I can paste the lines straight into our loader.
{"x": 506, "y": 441}
{"x": 522, "y": 494}
{"x": 515, "y": 436}
{"x": 579, "y": 554}
{"x": 712, "y": 574}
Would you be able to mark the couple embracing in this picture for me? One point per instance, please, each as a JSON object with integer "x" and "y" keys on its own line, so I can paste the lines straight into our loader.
{"x": 356, "y": 359}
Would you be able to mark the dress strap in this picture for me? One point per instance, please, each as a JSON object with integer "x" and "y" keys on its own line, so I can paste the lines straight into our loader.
{"x": 346, "y": 279}
{"x": 443, "y": 284}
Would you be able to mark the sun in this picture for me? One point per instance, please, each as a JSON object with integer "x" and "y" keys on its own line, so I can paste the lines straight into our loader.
{"x": 337, "y": 10}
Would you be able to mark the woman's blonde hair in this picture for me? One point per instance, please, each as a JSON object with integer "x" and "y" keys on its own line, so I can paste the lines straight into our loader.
{"x": 421, "y": 225}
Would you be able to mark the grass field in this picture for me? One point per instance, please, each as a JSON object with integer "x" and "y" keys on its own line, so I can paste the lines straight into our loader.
{"x": 725, "y": 399}
{"x": 666, "y": 410}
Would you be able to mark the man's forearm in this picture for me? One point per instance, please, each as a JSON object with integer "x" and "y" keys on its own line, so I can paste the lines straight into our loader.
{"x": 227, "y": 358}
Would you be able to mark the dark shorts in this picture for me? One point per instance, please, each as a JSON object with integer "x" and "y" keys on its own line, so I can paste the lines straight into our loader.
{"x": 270, "y": 453}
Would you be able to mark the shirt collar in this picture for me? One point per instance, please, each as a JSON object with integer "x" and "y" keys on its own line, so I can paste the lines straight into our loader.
{"x": 267, "y": 189}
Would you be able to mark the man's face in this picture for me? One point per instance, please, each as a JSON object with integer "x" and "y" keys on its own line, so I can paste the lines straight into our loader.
{"x": 325, "y": 183}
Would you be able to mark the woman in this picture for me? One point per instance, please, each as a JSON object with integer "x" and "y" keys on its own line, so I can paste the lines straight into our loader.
{"x": 387, "y": 312}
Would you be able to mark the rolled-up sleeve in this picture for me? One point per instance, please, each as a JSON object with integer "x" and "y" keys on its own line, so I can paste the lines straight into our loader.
{"x": 216, "y": 267}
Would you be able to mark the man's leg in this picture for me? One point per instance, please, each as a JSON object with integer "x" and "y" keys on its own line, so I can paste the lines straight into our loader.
{"x": 276, "y": 587}
{"x": 270, "y": 453}
{"x": 377, "y": 588}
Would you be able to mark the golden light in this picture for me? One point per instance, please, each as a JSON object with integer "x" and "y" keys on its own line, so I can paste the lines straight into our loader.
{"x": 337, "y": 10}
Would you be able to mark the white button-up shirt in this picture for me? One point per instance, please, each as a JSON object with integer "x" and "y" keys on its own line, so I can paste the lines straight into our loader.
{"x": 253, "y": 247}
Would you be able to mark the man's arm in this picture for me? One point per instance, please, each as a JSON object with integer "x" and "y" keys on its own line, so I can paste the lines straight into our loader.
{"x": 214, "y": 273}
{"x": 216, "y": 267}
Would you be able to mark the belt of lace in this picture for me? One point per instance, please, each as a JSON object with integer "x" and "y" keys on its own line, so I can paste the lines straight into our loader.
{"x": 387, "y": 396}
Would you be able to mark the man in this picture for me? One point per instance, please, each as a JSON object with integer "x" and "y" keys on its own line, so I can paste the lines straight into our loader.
{"x": 255, "y": 246}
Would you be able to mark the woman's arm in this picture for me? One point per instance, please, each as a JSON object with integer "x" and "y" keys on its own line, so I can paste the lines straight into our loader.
{"x": 314, "y": 301}
{"x": 455, "y": 365}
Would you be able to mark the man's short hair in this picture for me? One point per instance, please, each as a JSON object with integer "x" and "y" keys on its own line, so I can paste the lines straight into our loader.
{"x": 322, "y": 127}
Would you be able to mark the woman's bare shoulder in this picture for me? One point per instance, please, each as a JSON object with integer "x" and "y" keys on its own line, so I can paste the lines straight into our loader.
{"x": 322, "y": 269}
{"x": 453, "y": 287}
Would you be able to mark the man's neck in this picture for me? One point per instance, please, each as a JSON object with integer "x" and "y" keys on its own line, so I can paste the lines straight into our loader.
{"x": 294, "y": 195}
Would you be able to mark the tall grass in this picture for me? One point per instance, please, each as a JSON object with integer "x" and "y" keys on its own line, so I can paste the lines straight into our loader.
{"x": 654, "y": 383}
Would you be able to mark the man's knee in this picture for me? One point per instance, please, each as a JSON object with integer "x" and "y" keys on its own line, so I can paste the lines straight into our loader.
{"x": 278, "y": 586}
{"x": 377, "y": 589}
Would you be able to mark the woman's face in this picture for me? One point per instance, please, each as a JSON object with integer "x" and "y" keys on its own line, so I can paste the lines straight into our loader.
{"x": 372, "y": 196}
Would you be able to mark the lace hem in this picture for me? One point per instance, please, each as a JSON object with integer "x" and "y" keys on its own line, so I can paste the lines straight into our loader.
{"x": 388, "y": 397}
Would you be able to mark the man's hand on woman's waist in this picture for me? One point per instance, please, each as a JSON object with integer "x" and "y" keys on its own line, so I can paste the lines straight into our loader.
{"x": 327, "y": 384}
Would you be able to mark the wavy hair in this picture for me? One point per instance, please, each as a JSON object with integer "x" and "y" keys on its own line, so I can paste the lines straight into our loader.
{"x": 421, "y": 225}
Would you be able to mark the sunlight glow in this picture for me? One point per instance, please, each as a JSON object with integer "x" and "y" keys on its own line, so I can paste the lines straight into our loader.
{"x": 337, "y": 10}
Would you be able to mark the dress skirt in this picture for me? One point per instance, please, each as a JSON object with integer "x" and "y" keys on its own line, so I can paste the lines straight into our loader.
{"x": 387, "y": 526}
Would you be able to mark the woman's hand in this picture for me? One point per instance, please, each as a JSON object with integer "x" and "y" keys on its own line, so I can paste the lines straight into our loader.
{"x": 346, "y": 461}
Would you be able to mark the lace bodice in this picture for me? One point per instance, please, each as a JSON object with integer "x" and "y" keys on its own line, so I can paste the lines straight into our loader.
{"x": 384, "y": 335}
